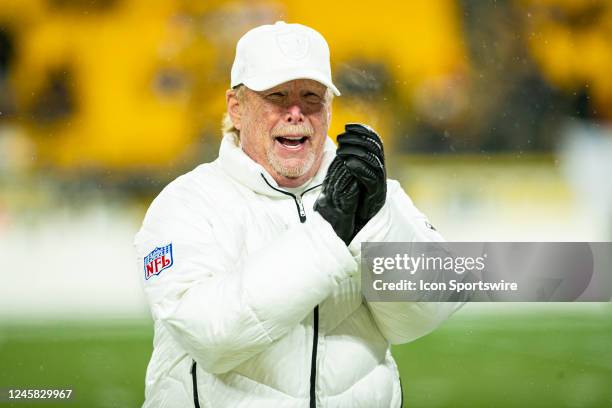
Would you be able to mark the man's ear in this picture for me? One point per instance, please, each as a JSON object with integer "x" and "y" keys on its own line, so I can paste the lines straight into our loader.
{"x": 233, "y": 107}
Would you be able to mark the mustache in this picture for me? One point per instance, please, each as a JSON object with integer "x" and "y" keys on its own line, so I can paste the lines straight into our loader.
{"x": 298, "y": 130}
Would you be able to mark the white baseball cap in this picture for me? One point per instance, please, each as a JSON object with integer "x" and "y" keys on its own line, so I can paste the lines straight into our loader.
{"x": 272, "y": 54}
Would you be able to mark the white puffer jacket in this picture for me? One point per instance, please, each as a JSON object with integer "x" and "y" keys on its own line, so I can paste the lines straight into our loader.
{"x": 256, "y": 302}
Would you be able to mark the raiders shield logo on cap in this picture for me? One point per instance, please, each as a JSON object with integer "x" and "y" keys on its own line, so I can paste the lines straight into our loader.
{"x": 293, "y": 45}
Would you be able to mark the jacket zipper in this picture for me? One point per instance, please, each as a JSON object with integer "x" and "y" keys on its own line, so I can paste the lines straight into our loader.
{"x": 194, "y": 379}
{"x": 315, "y": 324}
{"x": 298, "y": 199}
{"x": 313, "y": 363}
{"x": 300, "y": 207}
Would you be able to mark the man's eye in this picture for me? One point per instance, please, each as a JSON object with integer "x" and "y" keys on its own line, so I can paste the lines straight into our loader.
{"x": 312, "y": 97}
{"x": 275, "y": 95}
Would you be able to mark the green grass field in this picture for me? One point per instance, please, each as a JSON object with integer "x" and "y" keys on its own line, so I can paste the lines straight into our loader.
{"x": 524, "y": 360}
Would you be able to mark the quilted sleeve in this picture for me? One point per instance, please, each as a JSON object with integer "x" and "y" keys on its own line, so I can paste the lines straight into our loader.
{"x": 400, "y": 221}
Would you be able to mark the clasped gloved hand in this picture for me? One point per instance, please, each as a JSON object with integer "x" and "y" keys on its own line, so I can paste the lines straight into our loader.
{"x": 362, "y": 152}
{"x": 339, "y": 200}
{"x": 355, "y": 186}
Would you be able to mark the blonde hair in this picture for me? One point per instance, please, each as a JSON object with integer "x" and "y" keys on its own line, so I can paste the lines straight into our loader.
{"x": 227, "y": 126}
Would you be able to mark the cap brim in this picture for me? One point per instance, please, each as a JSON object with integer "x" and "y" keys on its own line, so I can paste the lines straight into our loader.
{"x": 279, "y": 77}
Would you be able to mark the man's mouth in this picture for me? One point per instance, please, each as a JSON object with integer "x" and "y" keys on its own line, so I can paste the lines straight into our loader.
{"x": 291, "y": 142}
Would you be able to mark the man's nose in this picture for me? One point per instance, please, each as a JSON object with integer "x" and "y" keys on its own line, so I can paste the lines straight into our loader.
{"x": 294, "y": 114}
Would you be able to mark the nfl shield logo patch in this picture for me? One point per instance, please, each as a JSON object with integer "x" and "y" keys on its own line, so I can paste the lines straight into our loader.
{"x": 158, "y": 260}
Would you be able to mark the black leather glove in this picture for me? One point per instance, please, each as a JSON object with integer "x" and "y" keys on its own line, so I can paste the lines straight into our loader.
{"x": 362, "y": 152}
{"x": 339, "y": 199}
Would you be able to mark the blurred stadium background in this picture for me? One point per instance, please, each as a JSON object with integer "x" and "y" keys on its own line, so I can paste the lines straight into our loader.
{"x": 496, "y": 117}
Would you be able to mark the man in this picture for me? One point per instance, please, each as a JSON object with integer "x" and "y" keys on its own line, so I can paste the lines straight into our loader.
{"x": 251, "y": 262}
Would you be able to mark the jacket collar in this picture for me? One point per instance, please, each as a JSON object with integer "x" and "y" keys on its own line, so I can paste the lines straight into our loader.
{"x": 247, "y": 172}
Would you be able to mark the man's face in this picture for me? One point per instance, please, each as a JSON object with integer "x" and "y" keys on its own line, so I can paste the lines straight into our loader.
{"x": 284, "y": 128}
